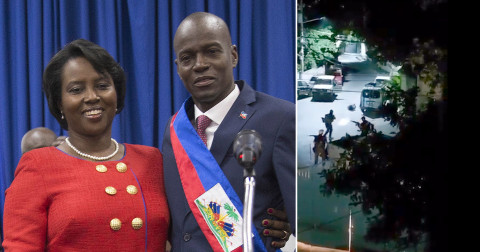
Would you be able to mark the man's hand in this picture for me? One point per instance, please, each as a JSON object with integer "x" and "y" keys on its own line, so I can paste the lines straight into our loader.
{"x": 277, "y": 229}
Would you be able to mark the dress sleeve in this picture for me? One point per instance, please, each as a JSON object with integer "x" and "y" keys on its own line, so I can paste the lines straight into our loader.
{"x": 25, "y": 209}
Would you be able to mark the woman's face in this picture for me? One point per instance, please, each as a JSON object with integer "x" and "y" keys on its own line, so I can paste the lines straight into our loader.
{"x": 89, "y": 99}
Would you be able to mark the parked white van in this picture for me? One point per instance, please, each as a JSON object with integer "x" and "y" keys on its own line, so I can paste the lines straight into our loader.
{"x": 372, "y": 97}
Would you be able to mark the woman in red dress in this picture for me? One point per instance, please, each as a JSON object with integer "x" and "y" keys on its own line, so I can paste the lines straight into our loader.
{"x": 90, "y": 193}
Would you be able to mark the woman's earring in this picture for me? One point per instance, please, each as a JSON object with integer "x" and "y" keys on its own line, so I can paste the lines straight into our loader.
{"x": 63, "y": 117}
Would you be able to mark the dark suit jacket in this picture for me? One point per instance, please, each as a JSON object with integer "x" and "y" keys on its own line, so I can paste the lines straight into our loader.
{"x": 274, "y": 120}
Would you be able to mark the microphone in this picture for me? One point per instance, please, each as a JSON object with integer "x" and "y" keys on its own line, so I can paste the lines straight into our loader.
{"x": 247, "y": 148}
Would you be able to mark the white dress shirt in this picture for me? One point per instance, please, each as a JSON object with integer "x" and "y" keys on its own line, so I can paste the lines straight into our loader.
{"x": 217, "y": 113}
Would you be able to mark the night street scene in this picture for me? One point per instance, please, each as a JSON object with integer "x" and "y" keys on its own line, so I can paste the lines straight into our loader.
{"x": 376, "y": 180}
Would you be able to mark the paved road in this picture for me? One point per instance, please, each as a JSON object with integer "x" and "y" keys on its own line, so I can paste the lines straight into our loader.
{"x": 324, "y": 220}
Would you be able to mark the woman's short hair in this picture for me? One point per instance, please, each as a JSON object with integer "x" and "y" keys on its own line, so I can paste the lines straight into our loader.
{"x": 101, "y": 61}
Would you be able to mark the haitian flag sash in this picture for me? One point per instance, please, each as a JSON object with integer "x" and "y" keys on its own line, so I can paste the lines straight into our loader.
{"x": 201, "y": 175}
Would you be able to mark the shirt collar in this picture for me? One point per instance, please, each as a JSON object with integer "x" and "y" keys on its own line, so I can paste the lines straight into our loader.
{"x": 218, "y": 112}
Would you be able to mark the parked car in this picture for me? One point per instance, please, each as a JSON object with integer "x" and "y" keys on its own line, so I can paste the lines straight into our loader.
{"x": 323, "y": 88}
{"x": 323, "y": 92}
{"x": 314, "y": 79}
{"x": 326, "y": 79}
{"x": 336, "y": 70}
{"x": 303, "y": 88}
{"x": 372, "y": 97}
{"x": 338, "y": 79}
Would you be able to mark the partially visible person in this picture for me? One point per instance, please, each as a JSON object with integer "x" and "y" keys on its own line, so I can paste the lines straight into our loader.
{"x": 278, "y": 228}
{"x": 319, "y": 148}
{"x": 37, "y": 138}
{"x": 328, "y": 119}
{"x": 40, "y": 137}
{"x": 365, "y": 127}
{"x": 198, "y": 144}
{"x": 89, "y": 193}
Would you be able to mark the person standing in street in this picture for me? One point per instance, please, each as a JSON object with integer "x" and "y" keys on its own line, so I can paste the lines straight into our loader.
{"x": 328, "y": 119}
{"x": 319, "y": 146}
{"x": 365, "y": 127}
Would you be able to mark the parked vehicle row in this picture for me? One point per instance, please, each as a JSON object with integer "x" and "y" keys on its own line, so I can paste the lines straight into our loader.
{"x": 323, "y": 87}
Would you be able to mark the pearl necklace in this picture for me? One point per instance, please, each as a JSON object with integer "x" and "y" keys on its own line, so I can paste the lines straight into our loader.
{"x": 90, "y": 156}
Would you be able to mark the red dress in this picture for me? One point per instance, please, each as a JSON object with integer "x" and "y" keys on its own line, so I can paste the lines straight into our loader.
{"x": 58, "y": 202}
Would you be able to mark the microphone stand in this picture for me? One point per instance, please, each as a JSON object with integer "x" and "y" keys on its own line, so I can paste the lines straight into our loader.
{"x": 248, "y": 147}
{"x": 249, "y": 182}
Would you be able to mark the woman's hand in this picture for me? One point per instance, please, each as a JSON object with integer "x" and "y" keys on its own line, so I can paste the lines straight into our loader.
{"x": 277, "y": 229}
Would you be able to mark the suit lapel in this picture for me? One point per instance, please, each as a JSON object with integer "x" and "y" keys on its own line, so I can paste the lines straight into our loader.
{"x": 236, "y": 118}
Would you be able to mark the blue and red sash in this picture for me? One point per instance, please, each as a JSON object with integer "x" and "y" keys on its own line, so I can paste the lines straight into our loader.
{"x": 199, "y": 172}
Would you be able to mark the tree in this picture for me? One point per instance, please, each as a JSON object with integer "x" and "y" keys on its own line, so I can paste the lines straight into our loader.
{"x": 319, "y": 46}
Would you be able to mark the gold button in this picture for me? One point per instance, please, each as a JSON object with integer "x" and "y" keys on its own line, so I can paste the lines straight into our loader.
{"x": 137, "y": 223}
{"x": 115, "y": 224}
{"x": 110, "y": 190}
{"x": 101, "y": 168}
{"x": 121, "y": 167}
{"x": 132, "y": 189}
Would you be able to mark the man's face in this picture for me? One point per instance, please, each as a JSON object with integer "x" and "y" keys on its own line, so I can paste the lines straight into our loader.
{"x": 205, "y": 61}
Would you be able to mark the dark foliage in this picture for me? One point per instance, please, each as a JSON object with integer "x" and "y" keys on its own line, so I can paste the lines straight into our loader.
{"x": 401, "y": 179}
{"x": 389, "y": 25}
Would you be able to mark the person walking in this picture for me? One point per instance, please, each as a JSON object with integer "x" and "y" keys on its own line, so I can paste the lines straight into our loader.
{"x": 328, "y": 119}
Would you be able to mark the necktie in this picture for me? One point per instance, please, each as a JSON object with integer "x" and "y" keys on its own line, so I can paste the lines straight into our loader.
{"x": 202, "y": 123}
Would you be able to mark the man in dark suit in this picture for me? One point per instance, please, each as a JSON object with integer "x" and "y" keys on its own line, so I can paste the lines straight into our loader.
{"x": 196, "y": 163}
